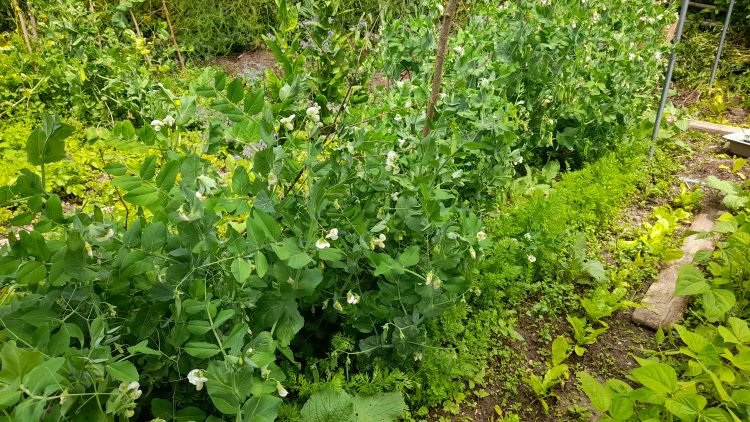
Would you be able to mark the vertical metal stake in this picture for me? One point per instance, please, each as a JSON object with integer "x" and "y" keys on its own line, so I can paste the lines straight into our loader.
{"x": 668, "y": 79}
{"x": 721, "y": 44}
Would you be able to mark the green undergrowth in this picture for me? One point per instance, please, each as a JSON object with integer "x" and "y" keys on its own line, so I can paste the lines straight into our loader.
{"x": 538, "y": 266}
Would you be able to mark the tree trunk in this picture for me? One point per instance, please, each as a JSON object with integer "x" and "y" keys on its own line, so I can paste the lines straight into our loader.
{"x": 437, "y": 78}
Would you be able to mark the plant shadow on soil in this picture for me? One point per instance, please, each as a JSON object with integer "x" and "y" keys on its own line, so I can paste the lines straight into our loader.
{"x": 612, "y": 355}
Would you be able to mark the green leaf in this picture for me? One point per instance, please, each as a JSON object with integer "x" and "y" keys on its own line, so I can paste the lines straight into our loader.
{"x": 690, "y": 281}
{"x": 235, "y": 90}
{"x": 201, "y": 349}
{"x": 148, "y": 168}
{"x": 46, "y": 144}
{"x": 41, "y": 378}
{"x": 261, "y": 408}
{"x": 560, "y": 350}
{"x": 32, "y": 272}
{"x": 143, "y": 348}
{"x": 167, "y": 175}
{"x": 329, "y": 406}
{"x": 299, "y": 260}
{"x": 241, "y": 181}
{"x": 261, "y": 264}
{"x": 696, "y": 342}
{"x": 122, "y": 371}
{"x": 686, "y": 406}
{"x": 241, "y": 270}
{"x": 716, "y": 414}
{"x": 281, "y": 314}
{"x": 53, "y": 209}
{"x": 659, "y": 377}
{"x": 254, "y": 102}
{"x": 717, "y": 302}
{"x": 143, "y": 195}
{"x": 384, "y": 407}
{"x": 600, "y": 396}
{"x": 16, "y": 363}
{"x": 410, "y": 257}
{"x": 740, "y": 329}
{"x": 154, "y": 236}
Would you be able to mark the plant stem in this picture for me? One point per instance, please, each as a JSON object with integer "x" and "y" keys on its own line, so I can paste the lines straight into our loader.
{"x": 437, "y": 78}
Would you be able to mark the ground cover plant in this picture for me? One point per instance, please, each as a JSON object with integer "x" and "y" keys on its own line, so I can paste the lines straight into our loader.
{"x": 286, "y": 247}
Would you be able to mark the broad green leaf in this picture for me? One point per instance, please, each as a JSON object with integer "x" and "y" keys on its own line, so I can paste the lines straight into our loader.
{"x": 254, "y": 102}
{"x": 53, "y": 209}
{"x": 148, "y": 167}
{"x": 32, "y": 272}
{"x": 154, "y": 236}
{"x": 167, "y": 175}
{"x": 329, "y": 406}
{"x": 16, "y": 363}
{"x": 690, "y": 281}
{"x": 600, "y": 396}
{"x": 280, "y": 314}
{"x": 740, "y": 329}
{"x": 383, "y": 407}
{"x": 717, "y": 302}
{"x": 235, "y": 90}
{"x": 716, "y": 414}
{"x": 696, "y": 342}
{"x": 659, "y": 377}
{"x": 46, "y": 144}
{"x": 410, "y": 257}
{"x": 45, "y": 376}
{"x": 261, "y": 408}
{"x": 299, "y": 260}
{"x": 240, "y": 181}
{"x": 143, "y": 195}
{"x": 241, "y": 270}
{"x": 122, "y": 371}
{"x": 201, "y": 349}
{"x": 686, "y": 406}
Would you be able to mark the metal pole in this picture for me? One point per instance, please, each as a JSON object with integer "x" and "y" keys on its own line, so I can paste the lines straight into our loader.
{"x": 668, "y": 81}
{"x": 721, "y": 44}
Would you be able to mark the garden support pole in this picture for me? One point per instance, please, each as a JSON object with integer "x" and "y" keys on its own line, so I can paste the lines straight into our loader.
{"x": 668, "y": 78}
{"x": 721, "y": 44}
{"x": 22, "y": 24}
{"x": 437, "y": 78}
{"x": 171, "y": 33}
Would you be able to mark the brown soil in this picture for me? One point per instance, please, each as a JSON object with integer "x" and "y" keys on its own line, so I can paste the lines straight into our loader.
{"x": 248, "y": 64}
{"x": 612, "y": 355}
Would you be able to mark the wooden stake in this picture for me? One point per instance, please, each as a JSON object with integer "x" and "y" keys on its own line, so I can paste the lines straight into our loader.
{"x": 437, "y": 78}
{"x": 171, "y": 33}
{"x": 32, "y": 18}
{"x": 22, "y": 24}
{"x": 138, "y": 32}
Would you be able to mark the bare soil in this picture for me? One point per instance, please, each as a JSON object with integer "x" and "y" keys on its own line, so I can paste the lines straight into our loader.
{"x": 250, "y": 64}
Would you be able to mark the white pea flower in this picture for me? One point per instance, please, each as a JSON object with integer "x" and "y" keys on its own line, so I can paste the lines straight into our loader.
{"x": 573, "y": 25}
{"x": 322, "y": 244}
{"x": 281, "y": 390}
{"x": 197, "y": 378}
{"x": 459, "y": 50}
{"x": 157, "y": 124}
{"x": 484, "y": 83}
{"x": 378, "y": 242}
{"x": 472, "y": 253}
{"x": 352, "y": 298}
{"x": 428, "y": 278}
{"x": 169, "y": 121}
{"x": 417, "y": 356}
{"x": 265, "y": 372}
{"x": 397, "y": 118}
{"x": 108, "y": 235}
{"x": 199, "y": 196}
{"x": 272, "y": 180}
{"x": 135, "y": 389}
{"x": 527, "y": 236}
{"x": 481, "y": 236}
{"x": 532, "y": 258}
{"x": 401, "y": 142}
{"x": 395, "y": 195}
{"x": 288, "y": 122}
{"x": 333, "y": 234}
{"x": 440, "y": 8}
{"x": 631, "y": 57}
{"x": 314, "y": 112}
{"x": 391, "y": 162}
